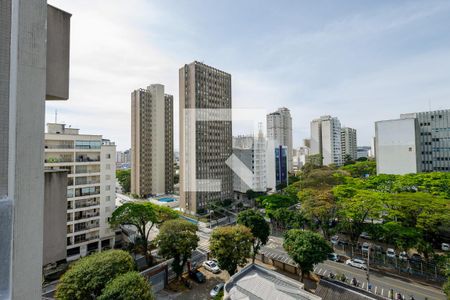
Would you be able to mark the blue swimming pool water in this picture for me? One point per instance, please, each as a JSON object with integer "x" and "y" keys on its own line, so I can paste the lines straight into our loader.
{"x": 166, "y": 199}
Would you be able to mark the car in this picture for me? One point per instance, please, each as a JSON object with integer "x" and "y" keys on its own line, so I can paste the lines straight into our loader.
{"x": 403, "y": 256}
{"x": 211, "y": 266}
{"x": 415, "y": 258}
{"x": 356, "y": 263}
{"x": 365, "y": 247}
{"x": 335, "y": 240}
{"x": 197, "y": 276}
{"x": 216, "y": 290}
{"x": 390, "y": 253}
{"x": 445, "y": 247}
{"x": 365, "y": 235}
{"x": 333, "y": 257}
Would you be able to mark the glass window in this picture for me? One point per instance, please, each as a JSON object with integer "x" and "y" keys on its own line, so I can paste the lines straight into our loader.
{"x": 88, "y": 144}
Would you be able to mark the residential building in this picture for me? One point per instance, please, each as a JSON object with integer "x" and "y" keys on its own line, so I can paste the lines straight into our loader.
{"x": 279, "y": 129}
{"x": 326, "y": 140}
{"x": 300, "y": 157}
{"x": 204, "y": 146}
{"x": 151, "y": 141}
{"x": 90, "y": 162}
{"x": 348, "y": 143}
{"x": 417, "y": 142}
{"x": 277, "y": 166}
{"x": 307, "y": 143}
{"x": 257, "y": 282}
{"x": 34, "y": 67}
{"x": 363, "y": 152}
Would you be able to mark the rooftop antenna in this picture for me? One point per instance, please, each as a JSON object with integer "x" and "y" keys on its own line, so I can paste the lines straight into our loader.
{"x": 56, "y": 116}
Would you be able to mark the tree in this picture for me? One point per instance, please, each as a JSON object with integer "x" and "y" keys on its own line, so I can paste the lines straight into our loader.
{"x": 87, "y": 277}
{"x": 275, "y": 201}
{"x": 231, "y": 246}
{"x": 177, "y": 239}
{"x": 143, "y": 216}
{"x": 259, "y": 227}
{"x": 284, "y": 218}
{"x": 361, "y": 169}
{"x": 128, "y": 286}
{"x": 348, "y": 160}
{"x": 306, "y": 248}
{"x": 320, "y": 207}
{"x": 124, "y": 178}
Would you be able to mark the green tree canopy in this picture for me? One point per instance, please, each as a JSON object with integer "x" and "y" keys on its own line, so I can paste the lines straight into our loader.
{"x": 87, "y": 277}
{"x": 231, "y": 246}
{"x": 128, "y": 286}
{"x": 285, "y": 218}
{"x": 259, "y": 227}
{"x": 143, "y": 216}
{"x": 361, "y": 169}
{"x": 322, "y": 178}
{"x": 275, "y": 201}
{"x": 124, "y": 178}
{"x": 177, "y": 239}
{"x": 306, "y": 248}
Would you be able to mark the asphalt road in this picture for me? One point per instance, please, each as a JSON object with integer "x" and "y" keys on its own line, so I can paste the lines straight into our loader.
{"x": 381, "y": 283}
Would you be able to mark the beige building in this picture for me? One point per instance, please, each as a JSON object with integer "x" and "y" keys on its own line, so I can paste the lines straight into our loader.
{"x": 326, "y": 140}
{"x": 90, "y": 164}
{"x": 204, "y": 145}
{"x": 279, "y": 129}
{"x": 151, "y": 141}
{"x": 349, "y": 143}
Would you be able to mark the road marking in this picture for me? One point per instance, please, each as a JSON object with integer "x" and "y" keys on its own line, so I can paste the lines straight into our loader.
{"x": 319, "y": 271}
{"x": 363, "y": 285}
{"x": 382, "y": 291}
{"x": 315, "y": 269}
{"x": 376, "y": 290}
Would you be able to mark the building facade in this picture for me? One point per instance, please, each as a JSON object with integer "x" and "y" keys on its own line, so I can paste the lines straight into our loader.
{"x": 279, "y": 129}
{"x": 417, "y": 142}
{"x": 90, "y": 164}
{"x": 277, "y": 166}
{"x": 205, "y": 146}
{"x": 151, "y": 141}
{"x": 326, "y": 140}
{"x": 349, "y": 145}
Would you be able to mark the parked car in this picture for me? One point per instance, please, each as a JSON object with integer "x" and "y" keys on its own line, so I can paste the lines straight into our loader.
{"x": 216, "y": 289}
{"x": 365, "y": 235}
{"x": 335, "y": 240}
{"x": 416, "y": 258}
{"x": 403, "y": 256}
{"x": 445, "y": 247}
{"x": 365, "y": 247}
{"x": 211, "y": 266}
{"x": 333, "y": 257}
{"x": 390, "y": 253}
{"x": 357, "y": 263}
{"x": 197, "y": 276}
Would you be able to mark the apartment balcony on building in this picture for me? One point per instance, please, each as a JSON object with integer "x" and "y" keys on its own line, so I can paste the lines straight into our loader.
{"x": 87, "y": 203}
{"x": 87, "y": 157}
{"x": 87, "y": 169}
{"x": 58, "y": 145}
{"x": 81, "y": 192}
{"x": 87, "y": 180}
{"x": 83, "y": 226}
{"x": 86, "y": 237}
{"x": 86, "y": 214}
{"x": 52, "y": 158}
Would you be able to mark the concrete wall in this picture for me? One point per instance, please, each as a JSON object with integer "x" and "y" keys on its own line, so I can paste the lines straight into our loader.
{"x": 397, "y": 146}
{"x": 55, "y": 216}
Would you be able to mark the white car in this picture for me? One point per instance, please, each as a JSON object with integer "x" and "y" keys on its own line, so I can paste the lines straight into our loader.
{"x": 403, "y": 256}
{"x": 445, "y": 247}
{"x": 365, "y": 235}
{"x": 335, "y": 240}
{"x": 357, "y": 263}
{"x": 216, "y": 290}
{"x": 365, "y": 247}
{"x": 390, "y": 253}
{"x": 211, "y": 266}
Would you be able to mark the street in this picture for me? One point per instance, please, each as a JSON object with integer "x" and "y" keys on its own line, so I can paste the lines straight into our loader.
{"x": 381, "y": 282}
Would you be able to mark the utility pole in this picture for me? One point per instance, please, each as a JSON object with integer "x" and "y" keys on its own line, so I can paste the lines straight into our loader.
{"x": 368, "y": 267}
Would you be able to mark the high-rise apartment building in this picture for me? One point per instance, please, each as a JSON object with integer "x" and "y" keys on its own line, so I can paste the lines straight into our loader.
{"x": 349, "y": 143}
{"x": 205, "y": 145}
{"x": 326, "y": 139}
{"x": 277, "y": 166}
{"x": 151, "y": 141}
{"x": 417, "y": 142}
{"x": 279, "y": 129}
{"x": 90, "y": 164}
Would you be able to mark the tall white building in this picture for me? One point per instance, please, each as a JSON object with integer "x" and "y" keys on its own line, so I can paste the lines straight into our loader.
{"x": 349, "y": 143}
{"x": 90, "y": 162}
{"x": 417, "y": 142}
{"x": 279, "y": 129}
{"x": 326, "y": 139}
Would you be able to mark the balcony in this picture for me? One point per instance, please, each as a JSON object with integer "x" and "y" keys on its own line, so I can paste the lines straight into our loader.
{"x": 80, "y": 215}
{"x": 78, "y": 239}
{"x": 87, "y": 169}
{"x": 86, "y": 226}
{"x": 88, "y": 159}
{"x": 58, "y": 159}
{"x": 87, "y": 180}
{"x": 87, "y": 203}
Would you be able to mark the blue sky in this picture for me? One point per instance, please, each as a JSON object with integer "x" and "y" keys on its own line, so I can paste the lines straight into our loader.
{"x": 360, "y": 61}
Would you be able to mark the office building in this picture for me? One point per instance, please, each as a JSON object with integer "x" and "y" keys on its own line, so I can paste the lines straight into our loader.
{"x": 363, "y": 152}
{"x": 277, "y": 166}
{"x": 348, "y": 143}
{"x": 279, "y": 129}
{"x": 34, "y": 67}
{"x": 151, "y": 141}
{"x": 90, "y": 162}
{"x": 326, "y": 140}
{"x": 299, "y": 158}
{"x": 204, "y": 146}
{"x": 417, "y": 142}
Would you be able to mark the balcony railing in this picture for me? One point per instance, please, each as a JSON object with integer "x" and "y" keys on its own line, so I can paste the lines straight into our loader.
{"x": 58, "y": 146}
{"x": 87, "y": 204}
{"x": 87, "y": 159}
{"x": 86, "y": 227}
{"x": 86, "y": 239}
{"x": 86, "y": 216}
{"x": 51, "y": 160}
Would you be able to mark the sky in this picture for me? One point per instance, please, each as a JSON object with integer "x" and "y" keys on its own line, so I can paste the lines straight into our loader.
{"x": 360, "y": 61}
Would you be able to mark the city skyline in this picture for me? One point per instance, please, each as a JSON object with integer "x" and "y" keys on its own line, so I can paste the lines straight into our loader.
{"x": 383, "y": 55}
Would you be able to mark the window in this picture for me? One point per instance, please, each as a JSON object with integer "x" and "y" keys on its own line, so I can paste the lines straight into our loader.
{"x": 108, "y": 198}
{"x": 108, "y": 156}
{"x": 108, "y": 167}
{"x": 108, "y": 187}
{"x": 108, "y": 177}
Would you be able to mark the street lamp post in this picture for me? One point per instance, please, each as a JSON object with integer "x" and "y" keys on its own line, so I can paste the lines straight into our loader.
{"x": 368, "y": 267}
{"x": 210, "y": 217}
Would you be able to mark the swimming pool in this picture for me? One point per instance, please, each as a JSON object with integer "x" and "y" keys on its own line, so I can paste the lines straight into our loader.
{"x": 167, "y": 199}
